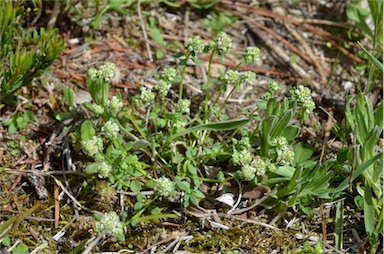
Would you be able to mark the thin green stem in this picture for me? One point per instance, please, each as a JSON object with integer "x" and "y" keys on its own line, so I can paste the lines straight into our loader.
{"x": 208, "y": 85}
{"x": 181, "y": 88}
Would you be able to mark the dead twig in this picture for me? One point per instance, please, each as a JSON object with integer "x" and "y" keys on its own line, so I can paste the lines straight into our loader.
{"x": 144, "y": 32}
{"x": 315, "y": 60}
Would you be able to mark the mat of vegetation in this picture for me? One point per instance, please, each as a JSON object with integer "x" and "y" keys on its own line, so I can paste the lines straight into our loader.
{"x": 191, "y": 126}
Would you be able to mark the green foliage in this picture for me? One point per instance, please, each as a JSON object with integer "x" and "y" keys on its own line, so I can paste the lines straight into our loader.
{"x": 29, "y": 58}
{"x": 160, "y": 151}
{"x": 19, "y": 121}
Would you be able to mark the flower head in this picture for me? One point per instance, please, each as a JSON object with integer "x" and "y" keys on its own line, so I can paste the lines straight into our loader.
{"x": 146, "y": 97}
{"x": 111, "y": 129}
{"x": 280, "y": 142}
{"x": 168, "y": 74}
{"x": 248, "y": 77}
{"x": 231, "y": 77}
{"x": 97, "y": 109}
{"x": 243, "y": 157}
{"x": 285, "y": 156}
{"x": 251, "y": 54}
{"x": 104, "y": 169}
{"x": 304, "y": 99}
{"x": 248, "y": 172}
{"x": 223, "y": 43}
{"x": 183, "y": 105}
{"x": 110, "y": 225}
{"x": 164, "y": 187}
{"x": 92, "y": 146}
{"x": 273, "y": 86}
{"x": 260, "y": 165}
{"x": 195, "y": 45}
{"x": 115, "y": 105}
{"x": 163, "y": 88}
{"x": 107, "y": 71}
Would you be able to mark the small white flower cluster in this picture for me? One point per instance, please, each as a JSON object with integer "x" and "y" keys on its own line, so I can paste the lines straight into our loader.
{"x": 114, "y": 105}
{"x": 280, "y": 142}
{"x": 248, "y": 172}
{"x": 284, "y": 155}
{"x": 232, "y": 77}
{"x": 251, "y": 54}
{"x": 110, "y": 225}
{"x": 223, "y": 43}
{"x": 110, "y": 129}
{"x": 92, "y": 146}
{"x": 164, "y": 187}
{"x": 248, "y": 77}
{"x": 183, "y": 106}
{"x": 169, "y": 74}
{"x": 250, "y": 168}
{"x": 304, "y": 99}
{"x": 104, "y": 169}
{"x": 241, "y": 158}
{"x": 97, "y": 109}
{"x": 273, "y": 86}
{"x": 105, "y": 72}
{"x": 145, "y": 98}
{"x": 163, "y": 88}
{"x": 195, "y": 45}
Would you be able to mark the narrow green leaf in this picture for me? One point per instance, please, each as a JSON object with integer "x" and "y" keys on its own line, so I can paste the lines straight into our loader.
{"x": 369, "y": 212}
{"x": 339, "y": 218}
{"x": 343, "y": 185}
{"x": 218, "y": 126}
{"x": 374, "y": 60}
{"x": 69, "y": 96}
{"x": 279, "y": 126}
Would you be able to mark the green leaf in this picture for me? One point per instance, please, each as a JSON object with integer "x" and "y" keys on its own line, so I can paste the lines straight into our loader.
{"x": 138, "y": 206}
{"x": 218, "y": 126}
{"x": 198, "y": 194}
{"x": 286, "y": 171}
{"x": 79, "y": 247}
{"x": 98, "y": 216}
{"x": 194, "y": 200}
{"x": 374, "y": 60}
{"x": 281, "y": 124}
{"x": 178, "y": 158}
{"x": 135, "y": 185}
{"x": 344, "y": 184}
{"x": 369, "y": 212}
{"x": 20, "y": 249}
{"x": 186, "y": 199}
{"x": 379, "y": 115}
{"x": 156, "y": 35}
{"x": 69, "y": 96}
{"x": 339, "y": 217}
{"x": 290, "y": 133}
{"x": 154, "y": 210}
{"x": 6, "y": 241}
{"x": 197, "y": 60}
{"x": 92, "y": 168}
{"x": 140, "y": 144}
{"x": 302, "y": 153}
{"x": 87, "y": 131}
{"x": 183, "y": 185}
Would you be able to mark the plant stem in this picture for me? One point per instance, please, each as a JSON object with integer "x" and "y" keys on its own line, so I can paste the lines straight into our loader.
{"x": 182, "y": 76}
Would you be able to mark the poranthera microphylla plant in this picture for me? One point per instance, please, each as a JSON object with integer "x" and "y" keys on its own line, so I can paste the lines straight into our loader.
{"x": 167, "y": 148}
